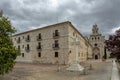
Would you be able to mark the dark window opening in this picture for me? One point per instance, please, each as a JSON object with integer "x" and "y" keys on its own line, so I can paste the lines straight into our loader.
{"x": 56, "y": 54}
{"x": 28, "y": 38}
{"x": 95, "y": 44}
{"x": 18, "y": 41}
{"x": 98, "y": 37}
{"x": 39, "y": 45}
{"x": 22, "y": 54}
{"x": 95, "y": 38}
{"x": 28, "y": 47}
{"x": 56, "y": 43}
{"x": 92, "y": 38}
{"x": 19, "y": 47}
{"x": 39, "y": 36}
{"x": 39, "y": 54}
{"x": 56, "y": 33}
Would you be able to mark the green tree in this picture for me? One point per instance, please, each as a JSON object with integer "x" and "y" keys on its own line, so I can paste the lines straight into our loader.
{"x": 113, "y": 44}
{"x": 8, "y": 53}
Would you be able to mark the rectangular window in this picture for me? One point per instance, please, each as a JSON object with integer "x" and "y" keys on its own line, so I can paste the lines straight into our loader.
{"x": 18, "y": 47}
{"x": 39, "y": 54}
{"x": 39, "y": 45}
{"x": 39, "y": 36}
{"x": 28, "y": 38}
{"x": 56, "y": 54}
{"x": 56, "y": 43}
{"x": 22, "y": 54}
{"x": 22, "y": 46}
{"x": 56, "y": 33}
{"x": 28, "y": 47}
{"x": 18, "y": 40}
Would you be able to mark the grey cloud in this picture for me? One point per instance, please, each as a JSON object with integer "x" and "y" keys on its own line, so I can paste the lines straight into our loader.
{"x": 36, "y": 13}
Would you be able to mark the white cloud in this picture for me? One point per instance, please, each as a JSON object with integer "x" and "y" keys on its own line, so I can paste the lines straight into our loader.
{"x": 114, "y": 29}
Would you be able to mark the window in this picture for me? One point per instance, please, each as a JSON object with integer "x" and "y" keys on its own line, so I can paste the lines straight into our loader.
{"x": 28, "y": 47}
{"x": 18, "y": 47}
{"x": 56, "y": 43}
{"x": 56, "y": 33}
{"x": 92, "y": 38}
{"x": 22, "y": 54}
{"x": 39, "y": 36}
{"x": 23, "y": 37}
{"x": 18, "y": 40}
{"x": 98, "y": 38}
{"x": 39, "y": 46}
{"x": 95, "y": 44}
{"x": 95, "y": 38}
{"x": 28, "y": 38}
{"x": 39, "y": 54}
{"x": 22, "y": 46}
{"x": 56, "y": 54}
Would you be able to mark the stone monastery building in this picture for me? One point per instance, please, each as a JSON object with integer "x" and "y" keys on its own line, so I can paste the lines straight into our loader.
{"x": 54, "y": 43}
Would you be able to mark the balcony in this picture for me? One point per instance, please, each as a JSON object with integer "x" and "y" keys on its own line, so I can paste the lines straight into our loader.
{"x": 27, "y": 40}
{"x": 39, "y": 48}
{"x": 18, "y": 41}
{"x": 56, "y": 35}
{"x": 27, "y": 49}
{"x": 55, "y": 46}
{"x": 39, "y": 38}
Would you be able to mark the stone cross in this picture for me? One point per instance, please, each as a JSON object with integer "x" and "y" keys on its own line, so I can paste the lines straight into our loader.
{"x": 75, "y": 66}
{"x": 75, "y": 44}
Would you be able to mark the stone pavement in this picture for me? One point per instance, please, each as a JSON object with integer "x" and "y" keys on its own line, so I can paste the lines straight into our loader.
{"x": 115, "y": 72}
{"x": 22, "y": 71}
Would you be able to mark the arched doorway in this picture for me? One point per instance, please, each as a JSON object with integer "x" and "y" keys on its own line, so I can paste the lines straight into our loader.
{"x": 96, "y": 53}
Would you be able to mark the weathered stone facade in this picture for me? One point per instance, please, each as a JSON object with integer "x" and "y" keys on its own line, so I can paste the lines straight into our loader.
{"x": 51, "y": 44}
{"x": 97, "y": 41}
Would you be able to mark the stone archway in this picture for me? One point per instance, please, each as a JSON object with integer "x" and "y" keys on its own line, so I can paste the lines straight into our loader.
{"x": 96, "y": 53}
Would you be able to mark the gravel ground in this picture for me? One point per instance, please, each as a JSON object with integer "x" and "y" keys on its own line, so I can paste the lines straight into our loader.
{"x": 28, "y": 71}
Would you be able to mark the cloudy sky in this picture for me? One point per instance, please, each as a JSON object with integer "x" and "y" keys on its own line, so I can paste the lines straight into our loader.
{"x": 31, "y": 14}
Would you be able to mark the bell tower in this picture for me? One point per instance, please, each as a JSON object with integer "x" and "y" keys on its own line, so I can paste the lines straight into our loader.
{"x": 97, "y": 41}
{"x": 95, "y": 30}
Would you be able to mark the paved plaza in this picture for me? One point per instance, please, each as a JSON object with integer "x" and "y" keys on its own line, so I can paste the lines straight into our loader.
{"x": 24, "y": 71}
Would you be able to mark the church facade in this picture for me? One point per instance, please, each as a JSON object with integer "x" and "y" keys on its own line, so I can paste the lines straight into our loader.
{"x": 52, "y": 44}
{"x": 97, "y": 41}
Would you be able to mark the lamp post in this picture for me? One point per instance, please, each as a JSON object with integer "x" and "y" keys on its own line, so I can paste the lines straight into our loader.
{"x": 75, "y": 66}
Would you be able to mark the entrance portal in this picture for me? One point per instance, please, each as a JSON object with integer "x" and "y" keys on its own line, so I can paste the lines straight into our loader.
{"x": 96, "y": 56}
{"x": 96, "y": 53}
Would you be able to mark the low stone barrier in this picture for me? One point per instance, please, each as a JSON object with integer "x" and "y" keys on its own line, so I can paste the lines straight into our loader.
{"x": 115, "y": 72}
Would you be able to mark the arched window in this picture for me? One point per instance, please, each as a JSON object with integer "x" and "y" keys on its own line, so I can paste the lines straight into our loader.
{"x": 92, "y": 38}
